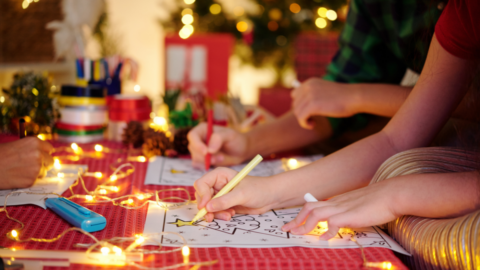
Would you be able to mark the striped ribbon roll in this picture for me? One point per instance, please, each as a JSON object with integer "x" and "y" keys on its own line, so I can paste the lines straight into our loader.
{"x": 78, "y": 132}
{"x": 81, "y": 101}
{"x": 82, "y": 116}
{"x": 81, "y": 139}
{"x": 88, "y": 91}
{"x": 64, "y": 126}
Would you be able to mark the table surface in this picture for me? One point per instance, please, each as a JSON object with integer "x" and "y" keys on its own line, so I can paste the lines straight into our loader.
{"x": 122, "y": 222}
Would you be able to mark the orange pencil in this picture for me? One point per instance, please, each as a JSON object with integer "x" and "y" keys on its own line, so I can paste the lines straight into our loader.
{"x": 209, "y": 134}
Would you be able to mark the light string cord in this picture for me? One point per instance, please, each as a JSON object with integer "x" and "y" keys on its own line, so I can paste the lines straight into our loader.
{"x": 367, "y": 264}
{"x": 105, "y": 245}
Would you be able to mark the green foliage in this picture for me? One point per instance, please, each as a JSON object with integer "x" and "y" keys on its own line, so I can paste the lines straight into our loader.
{"x": 183, "y": 119}
{"x": 30, "y": 95}
{"x": 170, "y": 98}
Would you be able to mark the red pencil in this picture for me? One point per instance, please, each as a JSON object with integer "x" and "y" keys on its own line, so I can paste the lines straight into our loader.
{"x": 209, "y": 133}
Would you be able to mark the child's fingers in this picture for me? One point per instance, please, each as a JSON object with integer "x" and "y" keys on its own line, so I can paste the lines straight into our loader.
{"x": 316, "y": 215}
{"x": 332, "y": 232}
{"x": 302, "y": 215}
{"x": 227, "y": 201}
{"x": 215, "y": 179}
{"x": 303, "y": 113}
{"x": 209, "y": 217}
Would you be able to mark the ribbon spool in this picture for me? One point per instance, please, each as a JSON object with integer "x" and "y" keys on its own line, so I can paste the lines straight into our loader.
{"x": 126, "y": 108}
{"x": 129, "y": 107}
{"x": 64, "y": 126}
{"x": 83, "y": 116}
{"x": 129, "y": 102}
{"x": 79, "y": 132}
{"x": 81, "y": 139}
{"x": 81, "y": 101}
{"x": 93, "y": 91}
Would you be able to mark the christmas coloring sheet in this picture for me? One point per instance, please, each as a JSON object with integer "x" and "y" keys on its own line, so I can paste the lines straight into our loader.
{"x": 51, "y": 183}
{"x": 252, "y": 231}
{"x": 180, "y": 172}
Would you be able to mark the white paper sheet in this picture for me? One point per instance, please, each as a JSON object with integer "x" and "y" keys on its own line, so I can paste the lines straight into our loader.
{"x": 50, "y": 183}
{"x": 253, "y": 231}
{"x": 175, "y": 171}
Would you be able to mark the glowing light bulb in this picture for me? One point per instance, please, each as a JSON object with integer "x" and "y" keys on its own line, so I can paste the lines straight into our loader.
{"x": 98, "y": 148}
{"x": 160, "y": 121}
{"x": 139, "y": 240}
{"x": 89, "y": 198}
{"x": 141, "y": 159}
{"x": 41, "y": 137}
{"x": 140, "y": 197}
{"x": 187, "y": 11}
{"x": 323, "y": 225}
{"x": 117, "y": 250}
{"x": 185, "y": 251}
{"x": 136, "y": 88}
{"x": 105, "y": 250}
{"x": 130, "y": 201}
{"x": 322, "y": 12}
{"x": 331, "y": 15}
{"x": 242, "y": 26}
{"x": 113, "y": 178}
{"x": 74, "y": 146}
{"x": 14, "y": 233}
{"x": 102, "y": 191}
{"x": 98, "y": 174}
{"x": 56, "y": 164}
{"x": 187, "y": 19}
{"x": 189, "y": 2}
{"x": 115, "y": 189}
{"x": 61, "y": 174}
{"x": 321, "y": 23}
{"x": 215, "y": 9}
{"x": 186, "y": 31}
{"x": 293, "y": 163}
{"x": 295, "y": 8}
{"x": 383, "y": 265}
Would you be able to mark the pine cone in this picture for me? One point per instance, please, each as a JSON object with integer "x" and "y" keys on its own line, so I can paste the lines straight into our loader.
{"x": 180, "y": 142}
{"x": 155, "y": 143}
{"x": 133, "y": 134}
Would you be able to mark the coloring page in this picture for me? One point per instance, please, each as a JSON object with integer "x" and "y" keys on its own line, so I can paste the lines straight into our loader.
{"x": 252, "y": 231}
{"x": 180, "y": 172}
{"x": 50, "y": 183}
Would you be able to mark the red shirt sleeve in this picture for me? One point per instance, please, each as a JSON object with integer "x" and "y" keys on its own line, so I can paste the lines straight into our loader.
{"x": 458, "y": 29}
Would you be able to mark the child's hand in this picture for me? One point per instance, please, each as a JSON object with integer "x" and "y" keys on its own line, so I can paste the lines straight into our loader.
{"x": 227, "y": 146}
{"x": 250, "y": 196}
{"x": 23, "y": 161}
{"x": 319, "y": 97}
{"x": 368, "y": 206}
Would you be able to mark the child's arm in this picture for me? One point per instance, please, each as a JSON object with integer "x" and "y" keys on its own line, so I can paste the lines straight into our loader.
{"x": 437, "y": 93}
{"x": 317, "y": 97}
{"x": 442, "y": 195}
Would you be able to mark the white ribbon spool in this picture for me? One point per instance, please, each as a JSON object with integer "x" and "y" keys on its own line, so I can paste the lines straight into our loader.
{"x": 83, "y": 116}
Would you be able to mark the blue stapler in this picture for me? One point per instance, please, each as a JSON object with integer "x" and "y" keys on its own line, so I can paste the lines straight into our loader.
{"x": 76, "y": 215}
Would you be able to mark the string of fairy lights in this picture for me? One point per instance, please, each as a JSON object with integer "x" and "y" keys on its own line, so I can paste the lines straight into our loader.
{"x": 111, "y": 249}
{"x": 324, "y": 16}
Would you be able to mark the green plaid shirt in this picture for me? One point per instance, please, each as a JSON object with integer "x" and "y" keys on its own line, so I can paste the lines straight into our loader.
{"x": 380, "y": 40}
